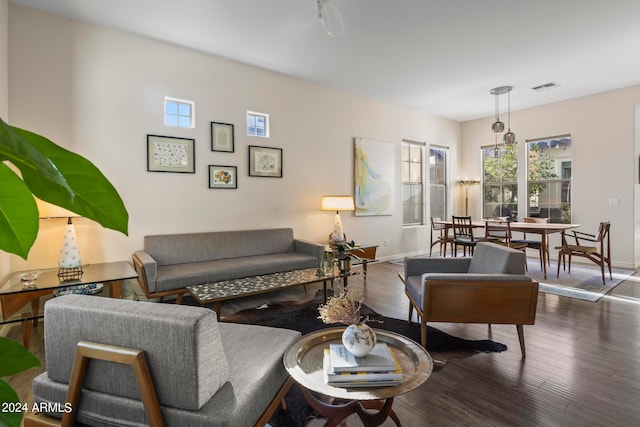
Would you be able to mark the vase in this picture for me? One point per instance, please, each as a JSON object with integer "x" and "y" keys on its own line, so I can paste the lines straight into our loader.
{"x": 359, "y": 339}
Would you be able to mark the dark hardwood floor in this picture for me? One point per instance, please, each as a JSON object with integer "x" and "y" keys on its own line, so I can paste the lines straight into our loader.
{"x": 582, "y": 366}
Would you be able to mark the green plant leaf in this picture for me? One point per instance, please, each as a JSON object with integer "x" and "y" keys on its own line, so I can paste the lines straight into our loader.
{"x": 8, "y": 394}
{"x": 80, "y": 186}
{"x": 14, "y": 358}
{"x": 18, "y": 214}
{"x": 23, "y": 155}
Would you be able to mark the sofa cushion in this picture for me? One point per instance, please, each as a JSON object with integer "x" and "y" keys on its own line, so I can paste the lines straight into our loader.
{"x": 490, "y": 258}
{"x": 194, "y": 363}
{"x": 256, "y": 374}
{"x": 181, "y": 275}
{"x": 169, "y": 249}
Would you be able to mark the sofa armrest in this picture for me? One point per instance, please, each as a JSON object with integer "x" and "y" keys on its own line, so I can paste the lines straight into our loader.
{"x": 147, "y": 269}
{"x": 463, "y": 278}
{"x": 310, "y": 248}
{"x": 419, "y": 266}
{"x": 482, "y": 301}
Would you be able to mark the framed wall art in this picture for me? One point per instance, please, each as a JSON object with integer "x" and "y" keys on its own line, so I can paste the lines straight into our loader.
{"x": 223, "y": 176}
{"x": 222, "y": 137}
{"x": 374, "y": 174}
{"x": 170, "y": 154}
{"x": 265, "y": 161}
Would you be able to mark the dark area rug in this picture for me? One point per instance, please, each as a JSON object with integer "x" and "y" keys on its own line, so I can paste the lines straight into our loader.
{"x": 303, "y": 317}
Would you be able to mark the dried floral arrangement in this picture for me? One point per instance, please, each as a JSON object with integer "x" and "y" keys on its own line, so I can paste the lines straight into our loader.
{"x": 343, "y": 308}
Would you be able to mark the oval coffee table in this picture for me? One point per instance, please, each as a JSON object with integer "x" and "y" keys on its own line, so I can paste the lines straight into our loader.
{"x": 303, "y": 361}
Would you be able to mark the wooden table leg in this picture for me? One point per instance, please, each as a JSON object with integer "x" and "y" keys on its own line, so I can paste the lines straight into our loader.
{"x": 364, "y": 269}
{"x": 26, "y": 330}
{"x": 543, "y": 249}
{"x": 337, "y": 412}
{"x": 35, "y": 309}
{"x": 115, "y": 289}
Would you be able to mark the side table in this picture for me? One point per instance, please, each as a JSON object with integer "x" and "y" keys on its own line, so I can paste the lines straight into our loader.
{"x": 15, "y": 294}
{"x": 303, "y": 361}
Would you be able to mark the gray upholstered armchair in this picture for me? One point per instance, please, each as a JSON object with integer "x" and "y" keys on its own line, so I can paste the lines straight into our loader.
{"x": 186, "y": 369}
{"x": 490, "y": 287}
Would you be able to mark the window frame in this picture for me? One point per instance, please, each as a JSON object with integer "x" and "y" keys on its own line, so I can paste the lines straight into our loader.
{"x": 420, "y": 184}
{"x": 256, "y": 115}
{"x": 177, "y": 115}
{"x": 564, "y": 182}
{"x": 445, "y": 175}
{"x": 503, "y": 208}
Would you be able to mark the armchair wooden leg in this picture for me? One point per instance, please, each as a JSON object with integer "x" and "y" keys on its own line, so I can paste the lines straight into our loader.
{"x": 410, "y": 312}
{"x": 423, "y": 332}
{"x": 520, "y": 329}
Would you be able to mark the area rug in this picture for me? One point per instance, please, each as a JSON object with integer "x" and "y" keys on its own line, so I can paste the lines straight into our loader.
{"x": 584, "y": 282}
{"x": 303, "y": 317}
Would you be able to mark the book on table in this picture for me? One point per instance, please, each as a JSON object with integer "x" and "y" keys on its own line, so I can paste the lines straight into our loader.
{"x": 380, "y": 359}
{"x": 360, "y": 378}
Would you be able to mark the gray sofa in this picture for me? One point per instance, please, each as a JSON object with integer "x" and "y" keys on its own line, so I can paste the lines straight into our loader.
{"x": 170, "y": 262}
{"x": 489, "y": 287}
{"x": 205, "y": 373}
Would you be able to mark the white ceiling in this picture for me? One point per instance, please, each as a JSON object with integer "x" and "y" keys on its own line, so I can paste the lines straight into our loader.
{"x": 439, "y": 56}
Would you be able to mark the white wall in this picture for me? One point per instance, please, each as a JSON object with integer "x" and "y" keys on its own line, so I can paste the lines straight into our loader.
{"x": 4, "y": 94}
{"x": 604, "y": 160}
{"x": 99, "y": 92}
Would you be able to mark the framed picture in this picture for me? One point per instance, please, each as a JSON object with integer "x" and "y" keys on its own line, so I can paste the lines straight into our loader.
{"x": 374, "y": 177}
{"x": 223, "y": 176}
{"x": 222, "y": 137}
{"x": 170, "y": 154}
{"x": 265, "y": 161}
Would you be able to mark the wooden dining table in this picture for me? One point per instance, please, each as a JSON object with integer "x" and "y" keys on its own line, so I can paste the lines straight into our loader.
{"x": 544, "y": 230}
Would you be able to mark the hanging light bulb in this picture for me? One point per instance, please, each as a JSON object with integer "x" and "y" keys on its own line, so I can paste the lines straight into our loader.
{"x": 509, "y": 137}
{"x": 497, "y": 126}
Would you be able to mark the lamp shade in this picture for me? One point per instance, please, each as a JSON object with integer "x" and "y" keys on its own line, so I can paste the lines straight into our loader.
{"x": 338, "y": 203}
{"x": 47, "y": 210}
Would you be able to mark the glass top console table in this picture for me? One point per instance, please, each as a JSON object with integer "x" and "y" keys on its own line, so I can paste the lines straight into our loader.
{"x": 23, "y": 292}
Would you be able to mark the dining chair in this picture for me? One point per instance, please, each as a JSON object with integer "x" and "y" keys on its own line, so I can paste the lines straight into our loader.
{"x": 499, "y": 231}
{"x": 535, "y": 244}
{"x": 440, "y": 235}
{"x": 600, "y": 253}
{"x": 463, "y": 234}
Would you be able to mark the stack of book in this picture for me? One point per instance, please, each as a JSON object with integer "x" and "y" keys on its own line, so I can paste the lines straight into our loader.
{"x": 378, "y": 368}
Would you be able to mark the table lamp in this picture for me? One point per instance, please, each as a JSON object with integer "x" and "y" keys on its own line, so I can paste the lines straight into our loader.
{"x": 69, "y": 261}
{"x": 337, "y": 203}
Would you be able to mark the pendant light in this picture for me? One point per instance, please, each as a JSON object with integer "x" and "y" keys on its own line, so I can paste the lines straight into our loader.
{"x": 498, "y": 126}
{"x": 509, "y": 137}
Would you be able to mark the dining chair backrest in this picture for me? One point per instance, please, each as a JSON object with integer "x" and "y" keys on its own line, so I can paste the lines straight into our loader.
{"x": 462, "y": 227}
{"x": 435, "y": 223}
{"x": 498, "y": 230}
{"x": 533, "y": 220}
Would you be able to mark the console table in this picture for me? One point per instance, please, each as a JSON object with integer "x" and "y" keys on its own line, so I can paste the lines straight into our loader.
{"x": 303, "y": 360}
{"x": 15, "y": 293}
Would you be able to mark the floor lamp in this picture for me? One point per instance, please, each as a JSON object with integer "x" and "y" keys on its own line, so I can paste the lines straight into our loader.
{"x": 467, "y": 183}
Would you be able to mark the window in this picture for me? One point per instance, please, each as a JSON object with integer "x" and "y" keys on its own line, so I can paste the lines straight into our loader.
{"x": 412, "y": 183}
{"x": 257, "y": 124}
{"x": 179, "y": 113}
{"x": 500, "y": 183}
{"x": 438, "y": 184}
{"x": 549, "y": 178}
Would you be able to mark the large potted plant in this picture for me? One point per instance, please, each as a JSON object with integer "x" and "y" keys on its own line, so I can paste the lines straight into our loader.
{"x": 57, "y": 176}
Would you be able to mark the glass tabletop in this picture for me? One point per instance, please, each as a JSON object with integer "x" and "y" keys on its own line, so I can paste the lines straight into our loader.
{"x": 36, "y": 280}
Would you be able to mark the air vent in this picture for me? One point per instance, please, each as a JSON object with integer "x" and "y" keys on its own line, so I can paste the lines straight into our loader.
{"x": 545, "y": 86}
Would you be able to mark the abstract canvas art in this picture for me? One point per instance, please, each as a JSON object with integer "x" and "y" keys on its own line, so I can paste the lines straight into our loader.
{"x": 374, "y": 174}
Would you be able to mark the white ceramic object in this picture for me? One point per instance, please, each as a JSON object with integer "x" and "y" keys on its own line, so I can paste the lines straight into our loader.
{"x": 359, "y": 339}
